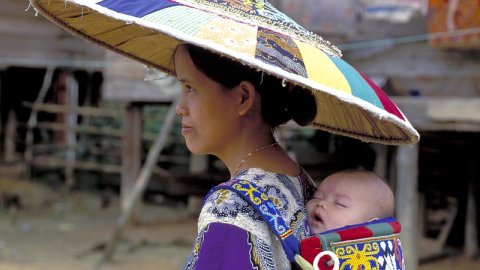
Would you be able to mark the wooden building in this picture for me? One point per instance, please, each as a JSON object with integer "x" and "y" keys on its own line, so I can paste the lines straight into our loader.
{"x": 29, "y": 46}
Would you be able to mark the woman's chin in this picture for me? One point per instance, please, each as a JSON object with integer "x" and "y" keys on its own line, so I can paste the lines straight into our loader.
{"x": 194, "y": 148}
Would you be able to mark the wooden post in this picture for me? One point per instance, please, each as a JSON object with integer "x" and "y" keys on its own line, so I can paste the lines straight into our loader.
{"x": 2, "y": 145}
{"x": 381, "y": 160}
{"x": 10, "y": 135}
{"x": 131, "y": 152}
{"x": 32, "y": 122}
{"x": 407, "y": 202}
{"x": 142, "y": 181}
{"x": 71, "y": 135}
{"x": 471, "y": 246}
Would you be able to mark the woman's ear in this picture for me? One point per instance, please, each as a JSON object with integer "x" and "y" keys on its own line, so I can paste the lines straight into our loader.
{"x": 247, "y": 95}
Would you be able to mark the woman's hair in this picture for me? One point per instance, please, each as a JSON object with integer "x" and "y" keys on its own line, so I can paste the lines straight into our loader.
{"x": 279, "y": 103}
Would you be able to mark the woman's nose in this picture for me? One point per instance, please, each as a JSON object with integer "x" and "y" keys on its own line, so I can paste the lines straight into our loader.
{"x": 180, "y": 108}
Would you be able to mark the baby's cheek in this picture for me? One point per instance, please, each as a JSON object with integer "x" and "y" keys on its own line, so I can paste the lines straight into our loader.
{"x": 309, "y": 207}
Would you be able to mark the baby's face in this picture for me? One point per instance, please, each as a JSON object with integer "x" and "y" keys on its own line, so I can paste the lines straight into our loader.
{"x": 339, "y": 201}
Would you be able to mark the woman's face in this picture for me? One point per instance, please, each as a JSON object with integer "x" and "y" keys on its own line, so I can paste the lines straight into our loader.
{"x": 208, "y": 110}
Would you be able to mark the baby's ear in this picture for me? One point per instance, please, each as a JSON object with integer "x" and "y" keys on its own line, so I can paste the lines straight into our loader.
{"x": 247, "y": 94}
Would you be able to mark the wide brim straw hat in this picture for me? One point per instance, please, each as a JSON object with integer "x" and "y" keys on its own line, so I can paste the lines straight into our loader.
{"x": 252, "y": 32}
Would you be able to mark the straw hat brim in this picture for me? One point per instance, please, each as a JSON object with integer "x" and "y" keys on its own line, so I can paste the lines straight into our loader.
{"x": 348, "y": 103}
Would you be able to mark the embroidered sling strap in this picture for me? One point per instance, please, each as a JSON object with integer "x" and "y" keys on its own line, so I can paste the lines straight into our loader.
{"x": 259, "y": 200}
{"x": 371, "y": 245}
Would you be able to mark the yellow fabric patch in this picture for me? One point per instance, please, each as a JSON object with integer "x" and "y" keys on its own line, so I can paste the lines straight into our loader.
{"x": 321, "y": 69}
{"x": 238, "y": 37}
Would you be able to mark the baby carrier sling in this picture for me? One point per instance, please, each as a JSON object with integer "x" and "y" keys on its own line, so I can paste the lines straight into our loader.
{"x": 372, "y": 245}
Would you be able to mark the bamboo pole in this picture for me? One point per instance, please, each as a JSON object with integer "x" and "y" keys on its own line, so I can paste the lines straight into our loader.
{"x": 32, "y": 122}
{"x": 141, "y": 181}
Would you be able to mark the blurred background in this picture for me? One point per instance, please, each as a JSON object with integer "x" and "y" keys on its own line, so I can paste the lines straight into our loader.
{"x": 78, "y": 124}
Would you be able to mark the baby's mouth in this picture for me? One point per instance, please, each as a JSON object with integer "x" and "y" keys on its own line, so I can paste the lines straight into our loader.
{"x": 318, "y": 218}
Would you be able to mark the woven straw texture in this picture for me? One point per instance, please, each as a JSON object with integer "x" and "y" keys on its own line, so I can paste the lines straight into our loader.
{"x": 250, "y": 31}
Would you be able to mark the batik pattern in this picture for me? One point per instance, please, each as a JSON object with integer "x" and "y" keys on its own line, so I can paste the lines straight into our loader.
{"x": 193, "y": 258}
{"x": 261, "y": 253}
{"x": 261, "y": 13}
{"x": 279, "y": 51}
{"x": 228, "y": 208}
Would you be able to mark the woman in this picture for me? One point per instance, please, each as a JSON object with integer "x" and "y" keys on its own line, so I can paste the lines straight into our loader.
{"x": 230, "y": 111}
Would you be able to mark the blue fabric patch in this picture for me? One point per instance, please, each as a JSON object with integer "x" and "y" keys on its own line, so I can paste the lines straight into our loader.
{"x": 360, "y": 88}
{"x": 136, "y": 8}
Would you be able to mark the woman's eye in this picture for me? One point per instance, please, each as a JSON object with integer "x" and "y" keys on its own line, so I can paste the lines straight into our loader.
{"x": 188, "y": 88}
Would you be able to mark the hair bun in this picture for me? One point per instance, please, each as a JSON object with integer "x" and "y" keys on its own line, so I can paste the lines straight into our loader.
{"x": 301, "y": 106}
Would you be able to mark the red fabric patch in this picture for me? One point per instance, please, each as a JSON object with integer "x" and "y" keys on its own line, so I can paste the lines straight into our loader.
{"x": 397, "y": 227}
{"x": 388, "y": 105}
{"x": 310, "y": 247}
{"x": 355, "y": 233}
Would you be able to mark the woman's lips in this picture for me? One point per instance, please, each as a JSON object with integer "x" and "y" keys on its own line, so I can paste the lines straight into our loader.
{"x": 186, "y": 129}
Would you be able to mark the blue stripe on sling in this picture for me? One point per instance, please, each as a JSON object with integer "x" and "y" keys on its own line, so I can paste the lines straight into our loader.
{"x": 257, "y": 198}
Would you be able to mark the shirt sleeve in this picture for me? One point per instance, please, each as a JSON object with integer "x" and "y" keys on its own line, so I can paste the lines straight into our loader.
{"x": 226, "y": 246}
{"x": 223, "y": 243}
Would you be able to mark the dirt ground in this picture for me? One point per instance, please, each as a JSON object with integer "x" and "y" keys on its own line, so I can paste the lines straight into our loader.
{"x": 69, "y": 233}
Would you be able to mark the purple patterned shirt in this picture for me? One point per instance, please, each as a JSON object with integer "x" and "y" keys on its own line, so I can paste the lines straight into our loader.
{"x": 232, "y": 235}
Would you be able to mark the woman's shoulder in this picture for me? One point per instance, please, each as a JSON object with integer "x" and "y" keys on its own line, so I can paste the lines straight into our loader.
{"x": 301, "y": 187}
{"x": 262, "y": 177}
{"x": 226, "y": 206}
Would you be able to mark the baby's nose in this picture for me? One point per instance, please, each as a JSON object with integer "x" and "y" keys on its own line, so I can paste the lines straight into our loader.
{"x": 321, "y": 204}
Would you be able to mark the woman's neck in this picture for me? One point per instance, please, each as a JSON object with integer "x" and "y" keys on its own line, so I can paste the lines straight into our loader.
{"x": 244, "y": 148}
{"x": 264, "y": 154}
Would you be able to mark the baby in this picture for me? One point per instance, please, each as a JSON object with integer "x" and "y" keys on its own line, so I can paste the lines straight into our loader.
{"x": 349, "y": 197}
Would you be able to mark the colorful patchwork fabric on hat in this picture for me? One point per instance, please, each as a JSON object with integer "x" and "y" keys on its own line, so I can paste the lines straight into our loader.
{"x": 372, "y": 245}
{"x": 252, "y": 32}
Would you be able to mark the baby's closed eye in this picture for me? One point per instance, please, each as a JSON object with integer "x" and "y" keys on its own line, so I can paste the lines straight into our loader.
{"x": 341, "y": 204}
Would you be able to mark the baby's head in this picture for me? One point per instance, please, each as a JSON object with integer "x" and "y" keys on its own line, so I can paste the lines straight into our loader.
{"x": 347, "y": 198}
